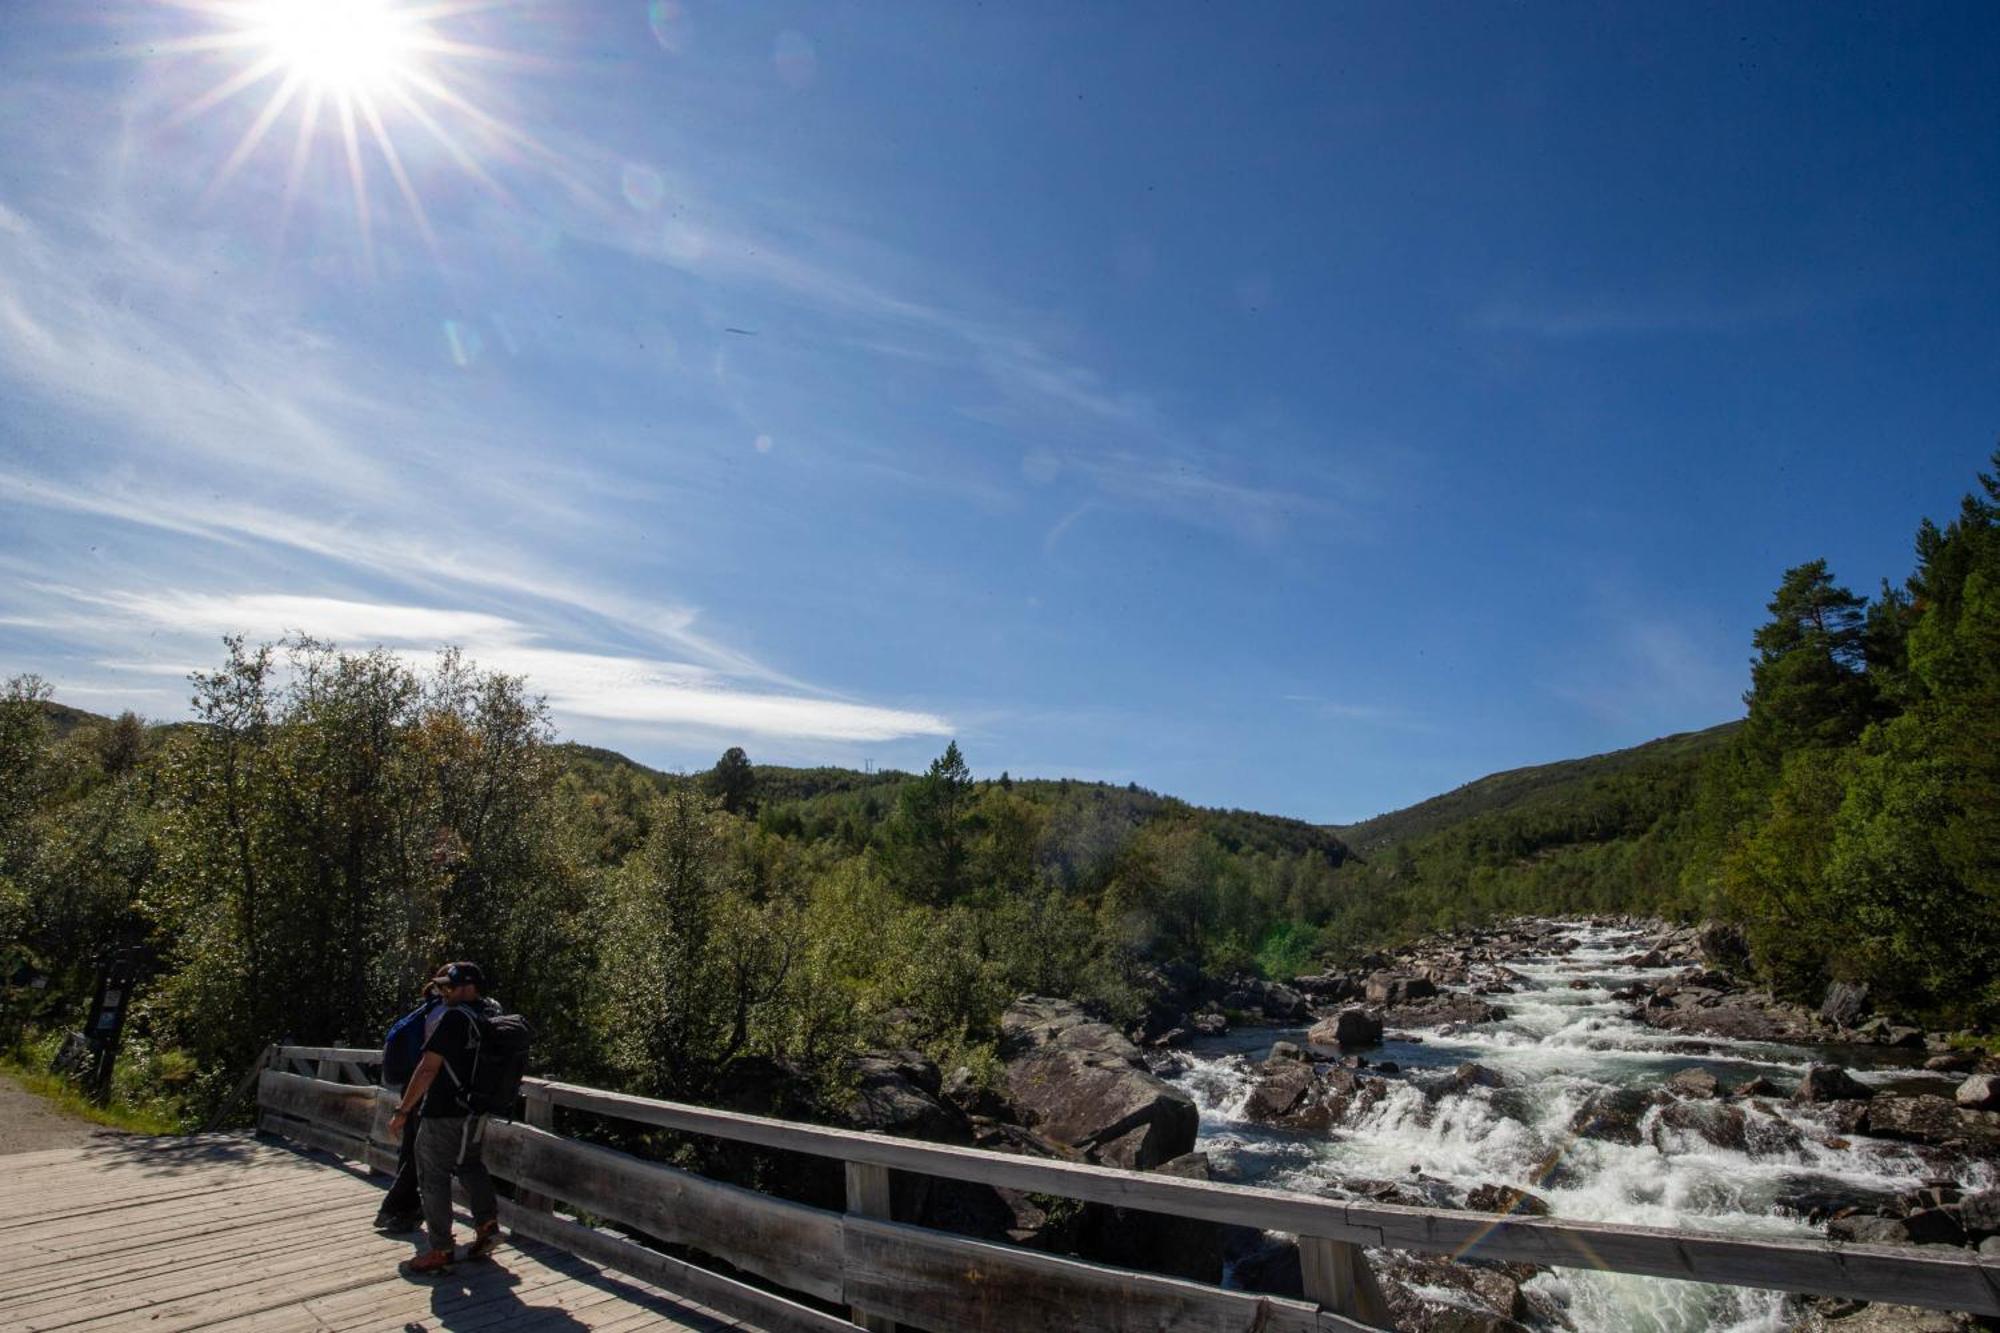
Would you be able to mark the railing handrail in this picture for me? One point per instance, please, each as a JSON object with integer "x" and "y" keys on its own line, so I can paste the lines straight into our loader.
{"x": 1958, "y": 1280}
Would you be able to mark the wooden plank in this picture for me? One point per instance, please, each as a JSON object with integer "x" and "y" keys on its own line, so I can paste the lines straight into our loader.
{"x": 868, "y": 1196}
{"x": 1338, "y": 1278}
{"x": 1932, "y": 1276}
{"x": 934, "y": 1280}
{"x": 540, "y": 1113}
{"x": 791, "y": 1244}
{"x": 337, "y": 1106}
{"x": 737, "y": 1299}
{"x": 297, "y": 1262}
{"x": 361, "y": 1055}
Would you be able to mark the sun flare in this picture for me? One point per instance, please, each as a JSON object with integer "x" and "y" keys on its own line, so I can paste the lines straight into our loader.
{"x": 360, "y": 77}
{"x": 339, "y": 46}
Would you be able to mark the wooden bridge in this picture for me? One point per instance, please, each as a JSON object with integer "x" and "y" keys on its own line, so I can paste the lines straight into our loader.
{"x": 218, "y": 1232}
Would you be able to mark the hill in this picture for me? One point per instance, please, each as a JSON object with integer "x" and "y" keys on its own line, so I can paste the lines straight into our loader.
{"x": 1568, "y": 781}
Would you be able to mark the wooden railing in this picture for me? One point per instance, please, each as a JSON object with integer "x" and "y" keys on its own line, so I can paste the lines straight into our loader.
{"x": 887, "y": 1272}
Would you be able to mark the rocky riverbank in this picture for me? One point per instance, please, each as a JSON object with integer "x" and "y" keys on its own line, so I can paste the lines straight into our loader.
{"x": 1611, "y": 1069}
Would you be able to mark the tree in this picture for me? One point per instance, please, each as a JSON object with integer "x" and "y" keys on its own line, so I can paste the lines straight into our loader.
{"x": 733, "y": 783}
{"x": 924, "y": 842}
{"x": 1809, "y": 685}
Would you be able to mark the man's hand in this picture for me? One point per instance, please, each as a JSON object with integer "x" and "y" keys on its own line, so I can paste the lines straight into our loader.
{"x": 396, "y": 1121}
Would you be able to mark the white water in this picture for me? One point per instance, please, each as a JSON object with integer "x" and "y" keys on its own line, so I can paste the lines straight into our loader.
{"x": 1556, "y": 1047}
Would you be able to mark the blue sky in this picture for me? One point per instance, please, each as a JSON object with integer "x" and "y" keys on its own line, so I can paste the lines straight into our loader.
{"x": 1306, "y": 408}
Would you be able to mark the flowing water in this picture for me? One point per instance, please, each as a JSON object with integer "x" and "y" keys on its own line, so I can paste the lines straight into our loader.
{"x": 1557, "y": 1046}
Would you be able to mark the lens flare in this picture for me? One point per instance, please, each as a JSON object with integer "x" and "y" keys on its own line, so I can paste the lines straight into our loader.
{"x": 361, "y": 74}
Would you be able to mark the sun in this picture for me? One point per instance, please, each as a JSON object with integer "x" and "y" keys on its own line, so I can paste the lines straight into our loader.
{"x": 357, "y": 77}
{"x": 339, "y": 46}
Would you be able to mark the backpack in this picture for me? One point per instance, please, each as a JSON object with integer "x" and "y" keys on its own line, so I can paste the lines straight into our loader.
{"x": 500, "y": 1045}
{"x": 403, "y": 1046}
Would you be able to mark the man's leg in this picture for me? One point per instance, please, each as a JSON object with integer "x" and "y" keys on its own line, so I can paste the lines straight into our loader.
{"x": 437, "y": 1153}
{"x": 403, "y": 1199}
{"x": 472, "y": 1171}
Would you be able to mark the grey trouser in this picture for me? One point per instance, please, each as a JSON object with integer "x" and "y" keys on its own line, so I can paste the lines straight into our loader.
{"x": 450, "y": 1146}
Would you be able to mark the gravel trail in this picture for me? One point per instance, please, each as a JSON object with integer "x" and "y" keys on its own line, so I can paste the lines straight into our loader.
{"x": 29, "y": 1124}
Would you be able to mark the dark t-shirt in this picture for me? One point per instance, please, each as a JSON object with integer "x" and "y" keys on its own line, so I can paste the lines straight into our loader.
{"x": 453, "y": 1040}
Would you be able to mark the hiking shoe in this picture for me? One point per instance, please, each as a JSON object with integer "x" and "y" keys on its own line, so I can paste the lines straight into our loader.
{"x": 396, "y": 1223}
{"x": 431, "y": 1263}
{"x": 485, "y": 1239}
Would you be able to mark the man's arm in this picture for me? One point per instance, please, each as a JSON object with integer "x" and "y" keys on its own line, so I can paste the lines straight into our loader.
{"x": 420, "y": 1083}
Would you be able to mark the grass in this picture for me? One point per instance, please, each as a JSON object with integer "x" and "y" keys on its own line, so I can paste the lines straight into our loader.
{"x": 64, "y": 1096}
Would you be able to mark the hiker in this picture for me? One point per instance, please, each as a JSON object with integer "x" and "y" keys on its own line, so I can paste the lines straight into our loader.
{"x": 402, "y": 1207}
{"x": 449, "y": 1133}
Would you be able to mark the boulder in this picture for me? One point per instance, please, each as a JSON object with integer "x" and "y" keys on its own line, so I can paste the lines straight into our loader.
{"x": 1827, "y": 1083}
{"x": 1613, "y": 1114}
{"x": 1329, "y": 987}
{"x": 1868, "y": 1229}
{"x": 1952, "y": 1062}
{"x": 1286, "y": 1084}
{"x": 1935, "y": 1226}
{"x": 974, "y": 1098}
{"x": 1696, "y": 1082}
{"x": 1285, "y": 1005}
{"x": 1286, "y": 1050}
{"x": 1390, "y": 988}
{"x": 898, "y": 1092}
{"x": 1723, "y": 1126}
{"x": 1209, "y": 1025}
{"x": 1350, "y": 1028}
{"x": 1980, "y": 1092}
{"x": 1756, "y": 1087}
{"x": 1082, "y": 1084}
{"x": 1922, "y": 1119}
{"x": 1979, "y": 1212}
{"x": 1844, "y": 1003}
{"x": 1490, "y": 1198}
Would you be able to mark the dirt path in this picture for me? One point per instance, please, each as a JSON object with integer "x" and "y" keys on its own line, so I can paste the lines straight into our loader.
{"x": 29, "y": 1124}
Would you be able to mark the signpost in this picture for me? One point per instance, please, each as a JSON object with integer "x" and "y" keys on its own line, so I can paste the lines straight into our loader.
{"x": 107, "y": 1016}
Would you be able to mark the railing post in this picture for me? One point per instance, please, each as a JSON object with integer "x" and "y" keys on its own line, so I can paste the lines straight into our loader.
{"x": 868, "y": 1196}
{"x": 1338, "y": 1278}
{"x": 539, "y": 1110}
{"x": 328, "y": 1070}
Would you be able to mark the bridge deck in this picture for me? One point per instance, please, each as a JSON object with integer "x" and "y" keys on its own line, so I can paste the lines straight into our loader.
{"x": 231, "y": 1233}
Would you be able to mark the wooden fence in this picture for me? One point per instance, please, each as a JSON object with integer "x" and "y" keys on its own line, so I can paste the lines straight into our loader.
{"x": 885, "y": 1272}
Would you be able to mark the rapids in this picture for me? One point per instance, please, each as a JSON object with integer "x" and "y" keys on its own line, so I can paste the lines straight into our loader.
{"x": 1556, "y": 1047}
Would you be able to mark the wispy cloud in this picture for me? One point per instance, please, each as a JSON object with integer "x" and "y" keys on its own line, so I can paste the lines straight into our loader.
{"x": 684, "y": 696}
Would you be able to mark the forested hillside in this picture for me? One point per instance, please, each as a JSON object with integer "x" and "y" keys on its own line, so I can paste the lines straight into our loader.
{"x": 333, "y": 825}
{"x": 1850, "y": 824}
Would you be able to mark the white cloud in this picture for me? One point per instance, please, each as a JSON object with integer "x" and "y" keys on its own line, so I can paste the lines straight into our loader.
{"x": 578, "y": 684}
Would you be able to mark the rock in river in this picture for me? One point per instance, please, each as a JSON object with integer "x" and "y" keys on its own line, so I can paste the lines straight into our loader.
{"x": 1831, "y": 1083}
{"x": 1349, "y": 1028}
{"x": 1082, "y": 1084}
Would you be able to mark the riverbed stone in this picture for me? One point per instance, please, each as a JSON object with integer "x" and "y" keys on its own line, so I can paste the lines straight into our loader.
{"x": 1283, "y": 1086}
{"x": 1723, "y": 1126}
{"x": 1827, "y": 1083}
{"x": 1491, "y": 1198}
{"x": 1868, "y": 1229}
{"x": 1350, "y": 1028}
{"x": 1614, "y": 1114}
{"x": 1979, "y": 1092}
{"x": 1935, "y": 1226}
{"x": 1979, "y": 1212}
{"x": 1923, "y": 1119}
{"x": 1696, "y": 1082}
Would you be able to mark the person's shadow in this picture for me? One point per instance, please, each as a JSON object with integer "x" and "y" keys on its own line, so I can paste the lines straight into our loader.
{"x": 483, "y": 1294}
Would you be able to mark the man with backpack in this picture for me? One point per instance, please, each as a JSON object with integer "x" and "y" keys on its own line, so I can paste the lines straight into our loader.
{"x": 451, "y": 1121}
{"x": 402, "y": 1050}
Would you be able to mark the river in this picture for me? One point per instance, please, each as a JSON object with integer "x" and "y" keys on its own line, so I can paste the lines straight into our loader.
{"x": 1557, "y": 1046}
